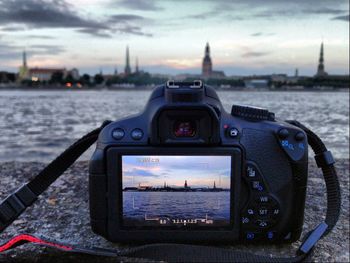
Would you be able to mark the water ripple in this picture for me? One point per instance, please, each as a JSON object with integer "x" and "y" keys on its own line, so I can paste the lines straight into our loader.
{"x": 38, "y": 125}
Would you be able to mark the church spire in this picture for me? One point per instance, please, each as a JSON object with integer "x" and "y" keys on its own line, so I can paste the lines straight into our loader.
{"x": 207, "y": 50}
{"x": 320, "y": 69}
{"x": 127, "y": 69}
{"x": 24, "y": 58}
{"x": 321, "y": 54}
{"x": 207, "y": 66}
{"x": 23, "y": 70}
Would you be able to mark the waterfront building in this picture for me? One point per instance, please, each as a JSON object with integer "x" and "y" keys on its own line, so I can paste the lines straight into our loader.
{"x": 7, "y": 77}
{"x": 320, "y": 68}
{"x": 184, "y": 76}
{"x": 127, "y": 69}
{"x": 207, "y": 66}
{"x": 256, "y": 83}
{"x": 43, "y": 73}
{"x": 74, "y": 72}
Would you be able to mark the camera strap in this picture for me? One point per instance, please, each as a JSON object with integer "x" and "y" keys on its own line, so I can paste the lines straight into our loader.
{"x": 15, "y": 204}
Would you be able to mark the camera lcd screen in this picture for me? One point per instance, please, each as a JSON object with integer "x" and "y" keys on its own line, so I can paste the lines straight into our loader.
{"x": 176, "y": 191}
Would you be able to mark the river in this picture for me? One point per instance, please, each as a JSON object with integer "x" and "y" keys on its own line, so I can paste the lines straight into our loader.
{"x": 38, "y": 125}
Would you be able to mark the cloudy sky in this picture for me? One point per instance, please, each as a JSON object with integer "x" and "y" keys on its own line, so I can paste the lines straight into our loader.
{"x": 199, "y": 171}
{"x": 246, "y": 36}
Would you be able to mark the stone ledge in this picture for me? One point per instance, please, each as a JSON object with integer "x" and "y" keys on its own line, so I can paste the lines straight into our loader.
{"x": 62, "y": 213}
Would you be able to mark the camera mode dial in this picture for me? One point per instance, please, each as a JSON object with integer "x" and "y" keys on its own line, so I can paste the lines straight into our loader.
{"x": 252, "y": 113}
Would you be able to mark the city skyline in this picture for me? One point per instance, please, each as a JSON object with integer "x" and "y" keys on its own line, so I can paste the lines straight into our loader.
{"x": 245, "y": 37}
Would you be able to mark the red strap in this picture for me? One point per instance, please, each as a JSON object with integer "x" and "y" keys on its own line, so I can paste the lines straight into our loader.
{"x": 25, "y": 238}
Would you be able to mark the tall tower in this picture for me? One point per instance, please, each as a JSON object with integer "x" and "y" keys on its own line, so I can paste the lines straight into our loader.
{"x": 185, "y": 186}
{"x": 23, "y": 70}
{"x": 207, "y": 66}
{"x": 24, "y": 59}
{"x": 320, "y": 69}
{"x": 127, "y": 69}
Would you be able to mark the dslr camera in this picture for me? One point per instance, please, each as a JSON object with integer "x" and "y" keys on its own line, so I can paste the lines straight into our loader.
{"x": 185, "y": 170}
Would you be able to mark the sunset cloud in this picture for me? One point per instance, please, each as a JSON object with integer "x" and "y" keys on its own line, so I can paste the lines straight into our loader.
{"x": 168, "y": 37}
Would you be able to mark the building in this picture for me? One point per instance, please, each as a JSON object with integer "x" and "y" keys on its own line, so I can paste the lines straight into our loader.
{"x": 43, "y": 74}
{"x": 74, "y": 72}
{"x": 127, "y": 69}
{"x": 279, "y": 77}
{"x": 207, "y": 66}
{"x": 256, "y": 83}
{"x": 320, "y": 68}
{"x": 7, "y": 77}
{"x": 182, "y": 77}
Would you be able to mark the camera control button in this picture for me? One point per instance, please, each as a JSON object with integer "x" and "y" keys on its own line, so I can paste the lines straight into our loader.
{"x": 232, "y": 132}
{"x": 257, "y": 185}
{"x": 250, "y": 211}
{"x": 263, "y": 211}
{"x": 252, "y": 171}
{"x": 137, "y": 134}
{"x": 263, "y": 223}
{"x": 299, "y": 136}
{"x": 275, "y": 211}
{"x": 245, "y": 220}
{"x": 118, "y": 133}
{"x": 271, "y": 235}
{"x": 263, "y": 199}
{"x": 250, "y": 236}
{"x": 283, "y": 133}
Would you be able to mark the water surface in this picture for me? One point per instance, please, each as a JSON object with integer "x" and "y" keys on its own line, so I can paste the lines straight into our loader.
{"x": 196, "y": 208}
{"x": 38, "y": 125}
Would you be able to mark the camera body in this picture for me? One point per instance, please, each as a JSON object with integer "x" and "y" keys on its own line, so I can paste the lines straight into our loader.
{"x": 185, "y": 170}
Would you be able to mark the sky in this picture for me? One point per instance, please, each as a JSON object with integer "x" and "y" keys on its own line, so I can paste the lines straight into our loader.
{"x": 168, "y": 37}
{"x": 199, "y": 171}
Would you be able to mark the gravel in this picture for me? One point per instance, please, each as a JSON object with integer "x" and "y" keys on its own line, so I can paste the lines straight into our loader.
{"x": 62, "y": 213}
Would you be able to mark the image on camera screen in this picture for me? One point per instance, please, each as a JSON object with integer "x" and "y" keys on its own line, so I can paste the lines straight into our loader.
{"x": 176, "y": 191}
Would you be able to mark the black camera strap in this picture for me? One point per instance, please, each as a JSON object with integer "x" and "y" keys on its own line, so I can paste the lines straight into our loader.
{"x": 15, "y": 204}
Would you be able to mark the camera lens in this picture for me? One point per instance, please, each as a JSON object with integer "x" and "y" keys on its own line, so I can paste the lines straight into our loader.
{"x": 184, "y": 128}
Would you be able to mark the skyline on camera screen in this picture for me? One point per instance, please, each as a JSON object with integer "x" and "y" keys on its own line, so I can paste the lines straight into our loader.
{"x": 181, "y": 191}
{"x": 174, "y": 170}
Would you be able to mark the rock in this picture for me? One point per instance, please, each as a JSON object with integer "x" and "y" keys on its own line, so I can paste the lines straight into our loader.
{"x": 62, "y": 213}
